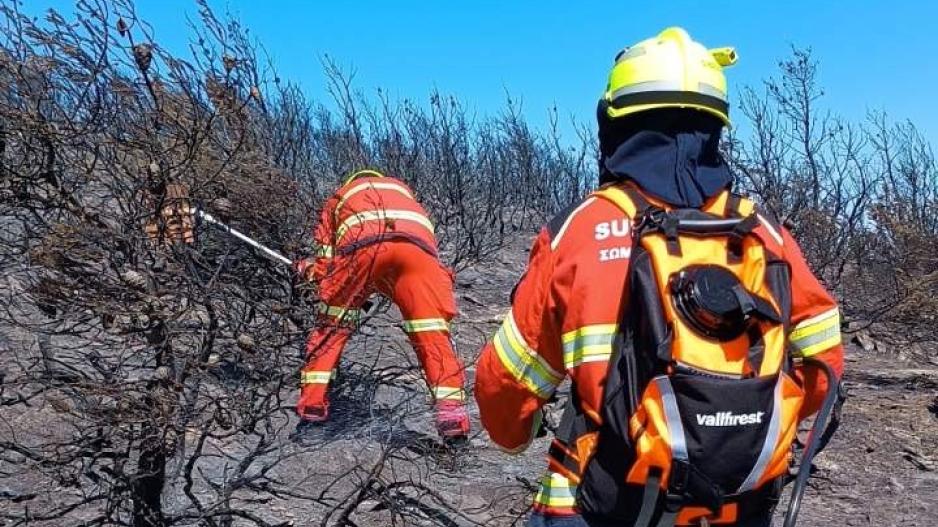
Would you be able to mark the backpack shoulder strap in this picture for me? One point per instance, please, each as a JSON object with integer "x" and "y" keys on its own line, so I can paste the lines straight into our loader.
{"x": 739, "y": 206}
{"x": 627, "y": 198}
{"x": 743, "y": 205}
{"x": 729, "y": 204}
{"x": 646, "y": 215}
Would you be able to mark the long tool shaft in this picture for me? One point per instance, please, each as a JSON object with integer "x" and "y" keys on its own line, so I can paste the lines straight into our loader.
{"x": 369, "y": 307}
{"x": 820, "y": 423}
{"x": 244, "y": 238}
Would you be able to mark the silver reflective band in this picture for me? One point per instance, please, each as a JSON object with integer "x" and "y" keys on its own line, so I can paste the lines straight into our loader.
{"x": 771, "y": 438}
{"x": 710, "y": 223}
{"x": 673, "y": 417}
{"x": 630, "y": 53}
{"x": 817, "y": 338}
{"x": 668, "y": 85}
{"x": 711, "y": 90}
{"x": 647, "y": 86}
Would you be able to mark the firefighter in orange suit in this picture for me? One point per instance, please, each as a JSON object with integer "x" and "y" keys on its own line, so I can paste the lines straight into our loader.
{"x": 660, "y": 134}
{"x": 374, "y": 237}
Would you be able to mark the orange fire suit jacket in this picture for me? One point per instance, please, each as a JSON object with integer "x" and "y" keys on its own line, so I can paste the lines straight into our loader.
{"x": 365, "y": 211}
{"x": 565, "y": 312}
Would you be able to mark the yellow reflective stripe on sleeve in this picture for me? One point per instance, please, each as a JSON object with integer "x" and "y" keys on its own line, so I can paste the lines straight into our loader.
{"x": 339, "y": 312}
{"x": 445, "y": 393}
{"x": 371, "y": 185}
{"x": 816, "y": 334}
{"x": 317, "y": 377}
{"x": 383, "y": 215}
{"x": 588, "y": 344}
{"x": 556, "y": 491}
{"x": 325, "y": 251}
{"x": 525, "y": 365}
{"x": 420, "y": 325}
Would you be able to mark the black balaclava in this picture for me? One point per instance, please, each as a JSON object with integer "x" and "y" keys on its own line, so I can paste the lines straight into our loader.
{"x": 672, "y": 154}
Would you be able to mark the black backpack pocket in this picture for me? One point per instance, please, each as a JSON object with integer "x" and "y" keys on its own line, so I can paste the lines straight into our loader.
{"x": 701, "y": 441}
{"x": 726, "y": 426}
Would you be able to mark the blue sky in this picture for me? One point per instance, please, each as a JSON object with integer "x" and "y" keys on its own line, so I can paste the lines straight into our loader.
{"x": 874, "y": 55}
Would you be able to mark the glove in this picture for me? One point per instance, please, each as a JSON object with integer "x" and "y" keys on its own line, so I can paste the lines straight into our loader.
{"x": 303, "y": 268}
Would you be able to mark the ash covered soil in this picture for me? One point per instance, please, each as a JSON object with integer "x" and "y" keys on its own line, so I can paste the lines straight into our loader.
{"x": 379, "y": 462}
{"x": 880, "y": 469}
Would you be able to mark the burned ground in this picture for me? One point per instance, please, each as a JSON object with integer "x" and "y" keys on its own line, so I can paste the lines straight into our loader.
{"x": 143, "y": 385}
{"x": 880, "y": 469}
{"x": 380, "y": 463}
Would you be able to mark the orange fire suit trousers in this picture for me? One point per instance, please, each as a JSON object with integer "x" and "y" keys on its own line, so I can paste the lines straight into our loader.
{"x": 423, "y": 291}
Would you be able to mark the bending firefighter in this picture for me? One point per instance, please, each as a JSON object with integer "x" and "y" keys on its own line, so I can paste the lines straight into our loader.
{"x": 373, "y": 237}
{"x": 694, "y": 334}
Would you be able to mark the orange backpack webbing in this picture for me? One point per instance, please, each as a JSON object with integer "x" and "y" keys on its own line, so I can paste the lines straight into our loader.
{"x": 699, "y": 410}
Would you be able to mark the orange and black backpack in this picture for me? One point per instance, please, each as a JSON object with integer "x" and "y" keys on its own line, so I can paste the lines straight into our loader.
{"x": 700, "y": 410}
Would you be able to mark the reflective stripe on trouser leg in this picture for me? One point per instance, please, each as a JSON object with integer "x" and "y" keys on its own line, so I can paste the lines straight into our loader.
{"x": 421, "y": 325}
{"x": 317, "y": 377}
{"x": 448, "y": 393}
{"x": 323, "y": 350}
{"x": 443, "y": 369}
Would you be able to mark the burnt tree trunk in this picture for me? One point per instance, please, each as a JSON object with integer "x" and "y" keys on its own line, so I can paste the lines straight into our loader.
{"x": 147, "y": 489}
{"x": 150, "y": 476}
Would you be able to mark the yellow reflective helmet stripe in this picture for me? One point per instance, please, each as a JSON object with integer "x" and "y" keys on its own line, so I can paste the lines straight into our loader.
{"x": 556, "y": 491}
{"x": 382, "y": 215}
{"x": 421, "y": 325}
{"x": 588, "y": 344}
{"x": 445, "y": 393}
{"x": 816, "y": 334}
{"x": 369, "y": 185}
{"x": 523, "y": 362}
{"x": 317, "y": 377}
{"x": 361, "y": 173}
